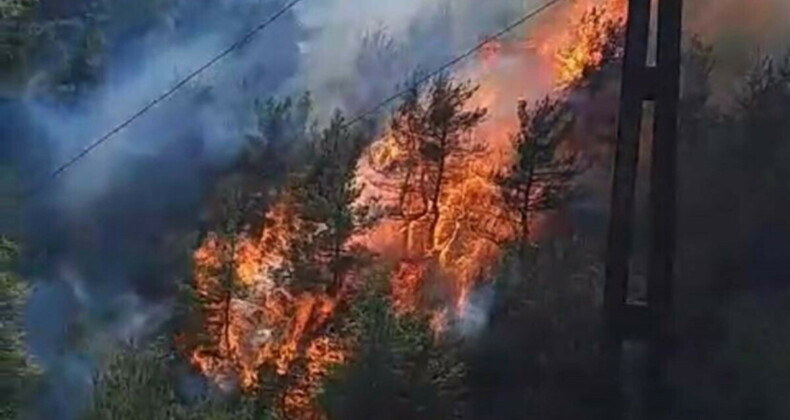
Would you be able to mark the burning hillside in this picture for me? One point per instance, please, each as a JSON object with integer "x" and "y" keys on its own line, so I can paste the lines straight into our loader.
{"x": 438, "y": 196}
{"x": 201, "y": 244}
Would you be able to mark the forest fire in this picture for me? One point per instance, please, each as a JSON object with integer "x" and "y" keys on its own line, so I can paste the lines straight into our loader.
{"x": 473, "y": 223}
{"x": 582, "y": 49}
{"x": 446, "y": 223}
{"x": 355, "y": 209}
{"x": 254, "y": 326}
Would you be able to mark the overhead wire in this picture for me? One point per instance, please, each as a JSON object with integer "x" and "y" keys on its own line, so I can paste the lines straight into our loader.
{"x": 458, "y": 59}
{"x": 255, "y": 31}
{"x": 168, "y": 93}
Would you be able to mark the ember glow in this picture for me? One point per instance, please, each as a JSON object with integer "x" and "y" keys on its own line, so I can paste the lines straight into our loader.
{"x": 257, "y": 326}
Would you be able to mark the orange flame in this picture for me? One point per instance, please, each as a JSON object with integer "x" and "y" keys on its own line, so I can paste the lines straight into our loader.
{"x": 262, "y": 324}
{"x": 474, "y": 225}
{"x": 584, "y": 48}
{"x": 269, "y": 327}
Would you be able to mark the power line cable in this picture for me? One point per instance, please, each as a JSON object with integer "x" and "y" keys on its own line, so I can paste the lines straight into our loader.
{"x": 491, "y": 38}
{"x": 251, "y": 34}
{"x": 195, "y": 73}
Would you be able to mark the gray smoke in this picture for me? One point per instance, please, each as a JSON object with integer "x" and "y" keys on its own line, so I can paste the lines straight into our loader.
{"x": 99, "y": 235}
{"x": 473, "y": 316}
{"x": 106, "y": 239}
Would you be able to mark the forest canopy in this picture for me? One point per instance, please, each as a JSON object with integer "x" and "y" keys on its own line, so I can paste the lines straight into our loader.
{"x": 251, "y": 248}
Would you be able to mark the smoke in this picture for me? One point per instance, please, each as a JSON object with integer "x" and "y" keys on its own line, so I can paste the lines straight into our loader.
{"x": 108, "y": 240}
{"x": 474, "y": 313}
{"x": 739, "y": 36}
{"x": 361, "y": 52}
{"x": 763, "y": 23}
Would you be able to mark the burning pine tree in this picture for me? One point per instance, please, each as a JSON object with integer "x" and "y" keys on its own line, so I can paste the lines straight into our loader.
{"x": 277, "y": 295}
{"x": 418, "y": 166}
{"x": 268, "y": 299}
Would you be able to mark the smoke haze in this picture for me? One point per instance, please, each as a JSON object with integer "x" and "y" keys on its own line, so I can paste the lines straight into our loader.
{"x": 101, "y": 237}
{"x": 97, "y": 235}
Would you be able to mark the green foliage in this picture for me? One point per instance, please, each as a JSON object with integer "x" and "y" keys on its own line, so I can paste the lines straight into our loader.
{"x": 71, "y": 44}
{"x": 10, "y": 200}
{"x": 767, "y": 86}
{"x": 14, "y": 9}
{"x": 757, "y": 139}
{"x": 16, "y": 369}
{"x": 139, "y": 383}
{"x": 134, "y": 385}
{"x": 237, "y": 208}
{"x": 541, "y": 178}
{"x": 380, "y": 58}
{"x": 17, "y": 34}
{"x": 756, "y": 349}
{"x": 82, "y": 67}
{"x": 746, "y": 374}
{"x": 731, "y": 295}
{"x": 736, "y": 180}
{"x": 325, "y": 197}
{"x": 242, "y": 195}
{"x": 538, "y": 355}
{"x": 441, "y": 119}
{"x": 275, "y": 150}
{"x": 398, "y": 370}
{"x": 763, "y": 103}
{"x": 695, "y": 111}
{"x": 217, "y": 285}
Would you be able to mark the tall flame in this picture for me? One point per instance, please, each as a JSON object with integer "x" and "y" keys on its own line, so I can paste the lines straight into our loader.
{"x": 267, "y": 327}
{"x": 262, "y": 326}
{"x": 583, "y": 48}
{"x": 473, "y": 224}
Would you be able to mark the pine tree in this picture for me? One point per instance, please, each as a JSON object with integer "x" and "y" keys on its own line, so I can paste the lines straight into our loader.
{"x": 17, "y": 36}
{"x": 139, "y": 383}
{"x": 273, "y": 151}
{"x": 541, "y": 177}
{"x": 16, "y": 369}
{"x": 216, "y": 272}
{"x": 325, "y": 196}
{"x": 10, "y": 9}
{"x": 431, "y": 134}
{"x": 398, "y": 369}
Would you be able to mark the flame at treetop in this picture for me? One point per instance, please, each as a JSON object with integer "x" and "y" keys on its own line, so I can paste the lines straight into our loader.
{"x": 252, "y": 325}
{"x": 473, "y": 223}
{"x": 592, "y": 26}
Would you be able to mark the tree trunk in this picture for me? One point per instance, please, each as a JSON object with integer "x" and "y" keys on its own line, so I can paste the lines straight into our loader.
{"x": 437, "y": 190}
{"x": 228, "y": 286}
{"x": 525, "y": 210}
{"x": 336, "y": 276}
